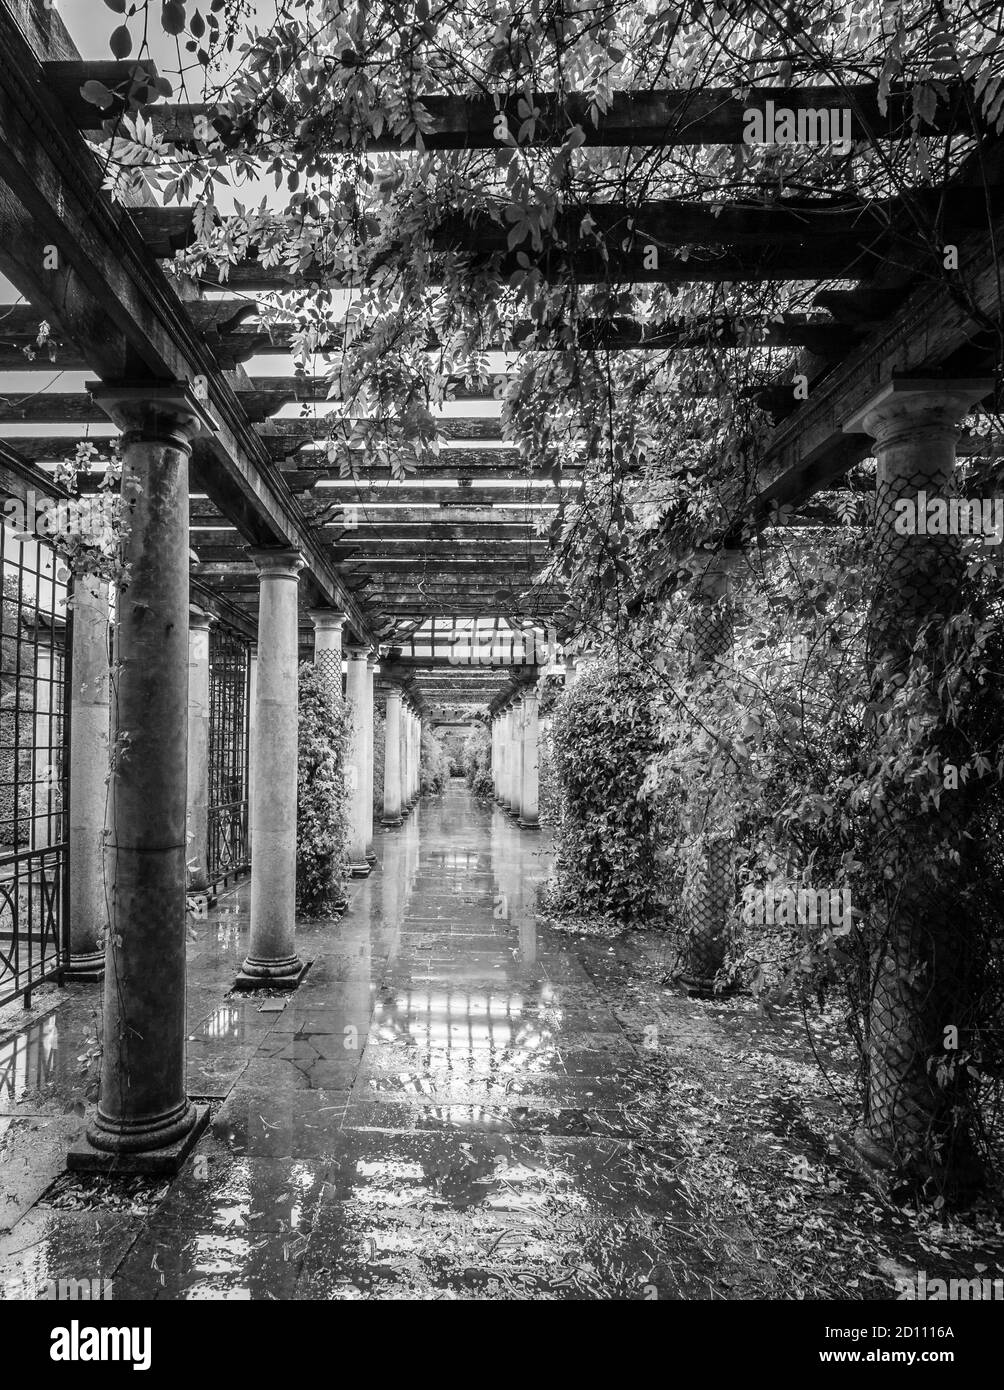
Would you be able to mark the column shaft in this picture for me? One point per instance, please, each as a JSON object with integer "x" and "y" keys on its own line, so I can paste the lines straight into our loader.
{"x": 355, "y": 773}
{"x": 392, "y": 759}
{"x": 528, "y": 790}
{"x": 88, "y": 787}
{"x": 143, "y": 1106}
{"x": 368, "y": 758}
{"x": 272, "y": 956}
{"x": 198, "y": 751}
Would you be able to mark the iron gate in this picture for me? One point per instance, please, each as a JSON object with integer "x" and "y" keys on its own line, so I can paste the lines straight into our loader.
{"x": 33, "y": 763}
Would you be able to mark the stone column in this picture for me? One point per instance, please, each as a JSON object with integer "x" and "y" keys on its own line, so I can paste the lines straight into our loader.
{"x": 505, "y": 731}
{"x": 516, "y": 781}
{"x": 392, "y": 759}
{"x": 926, "y": 951}
{"x": 371, "y": 662}
{"x": 528, "y": 789}
{"x": 198, "y": 750}
{"x": 272, "y": 957}
{"x": 708, "y": 889}
{"x": 570, "y": 672}
{"x": 252, "y": 724}
{"x": 88, "y": 780}
{"x": 328, "y": 644}
{"x": 145, "y": 1121}
{"x": 355, "y": 772}
{"x": 407, "y": 737}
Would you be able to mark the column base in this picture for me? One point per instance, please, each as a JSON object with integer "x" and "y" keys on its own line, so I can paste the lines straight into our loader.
{"x": 392, "y": 822}
{"x": 165, "y": 1161}
{"x": 370, "y": 857}
{"x": 703, "y": 987}
{"x": 86, "y": 969}
{"x": 362, "y": 870}
{"x": 278, "y": 975}
{"x": 528, "y": 824}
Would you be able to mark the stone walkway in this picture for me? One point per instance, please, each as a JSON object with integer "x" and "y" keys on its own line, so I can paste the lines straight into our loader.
{"x": 445, "y": 1109}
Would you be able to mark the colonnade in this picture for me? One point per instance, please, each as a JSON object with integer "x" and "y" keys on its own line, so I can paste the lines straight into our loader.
{"x": 136, "y": 836}
{"x": 402, "y": 777}
{"x": 515, "y": 737}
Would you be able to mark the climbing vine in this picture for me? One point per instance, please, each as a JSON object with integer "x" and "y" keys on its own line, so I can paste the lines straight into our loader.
{"x": 321, "y": 816}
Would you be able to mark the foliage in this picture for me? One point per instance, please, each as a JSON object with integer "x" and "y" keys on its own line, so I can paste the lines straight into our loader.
{"x": 476, "y": 759}
{"x": 434, "y": 766}
{"x": 321, "y": 814}
{"x": 607, "y": 858}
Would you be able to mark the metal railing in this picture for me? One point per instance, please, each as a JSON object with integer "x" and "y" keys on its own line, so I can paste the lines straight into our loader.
{"x": 34, "y": 671}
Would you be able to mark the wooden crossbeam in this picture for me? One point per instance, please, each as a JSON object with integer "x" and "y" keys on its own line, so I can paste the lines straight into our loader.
{"x": 697, "y": 116}
{"x": 782, "y": 240}
{"x": 100, "y": 285}
{"x": 232, "y": 339}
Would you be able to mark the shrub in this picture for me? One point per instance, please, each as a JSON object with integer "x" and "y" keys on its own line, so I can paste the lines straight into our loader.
{"x": 434, "y": 765}
{"x": 607, "y": 859}
{"x": 476, "y": 757}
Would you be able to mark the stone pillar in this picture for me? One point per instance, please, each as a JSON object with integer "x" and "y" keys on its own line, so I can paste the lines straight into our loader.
{"x": 88, "y": 778}
{"x": 371, "y": 662}
{"x": 505, "y": 743}
{"x": 252, "y": 724}
{"x": 198, "y": 750}
{"x": 516, "y": 781}
{"x": 145, "y": 1121}
{"x": 355, "y": 772}
{"x": 392, "y": 759}
{"x": 528, "y": 788}
{"x": 272, "y": 957}
{"x": 328, "y": 644}
{"x": 570, "y": 672}
{"x": 708, "y": 889}
{"x": 927, "y": 952}
{"x": 492, "y": 755}
{"x": 407, "y": 735}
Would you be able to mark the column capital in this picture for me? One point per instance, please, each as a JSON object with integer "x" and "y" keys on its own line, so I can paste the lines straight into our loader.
{"x": 158, "y": 413}
{"x": 276, "y": 564}
{"x": 326, "y": 619}
{"x": 356, "y": 651}
{"x": 199, "y": 620}
{"x": 907, "y": 403}
{"x": 394, "y": 691}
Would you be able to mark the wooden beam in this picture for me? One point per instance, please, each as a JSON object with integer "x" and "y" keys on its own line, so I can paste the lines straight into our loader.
{"x": 810, "y": 239}
{"x": 697, "y": 116}
{"x": 99, "y": 285}
{"x": 936, "y": 322}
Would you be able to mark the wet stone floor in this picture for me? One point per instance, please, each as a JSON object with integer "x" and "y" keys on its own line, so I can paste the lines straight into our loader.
{"x": 446, "y": 1108}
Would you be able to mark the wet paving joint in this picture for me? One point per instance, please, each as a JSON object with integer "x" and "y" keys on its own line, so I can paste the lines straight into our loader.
{"x": 449, "y": 1106}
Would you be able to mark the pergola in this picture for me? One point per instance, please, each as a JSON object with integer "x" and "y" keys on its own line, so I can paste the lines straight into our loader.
{"x": 285, "y": 548}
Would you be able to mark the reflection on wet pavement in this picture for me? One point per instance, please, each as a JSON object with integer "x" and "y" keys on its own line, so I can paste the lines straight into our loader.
{"x": 447, "y": 1108}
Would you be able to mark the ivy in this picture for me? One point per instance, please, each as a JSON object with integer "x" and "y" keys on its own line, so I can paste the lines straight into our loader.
{"x": 321, "y": 808}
